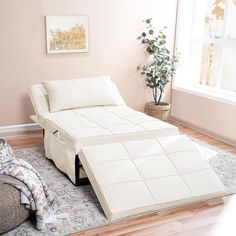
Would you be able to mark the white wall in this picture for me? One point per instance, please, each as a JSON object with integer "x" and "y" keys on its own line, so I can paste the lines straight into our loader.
{"x": 114, "y": 49}
{"x": 214, "y": 117}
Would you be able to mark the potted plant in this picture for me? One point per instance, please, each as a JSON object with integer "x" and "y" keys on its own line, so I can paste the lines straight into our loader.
{"x": 158, "y": 72}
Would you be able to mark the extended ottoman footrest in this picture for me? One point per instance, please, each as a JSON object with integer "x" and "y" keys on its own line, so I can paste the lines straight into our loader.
{"x": 136, "y": 177}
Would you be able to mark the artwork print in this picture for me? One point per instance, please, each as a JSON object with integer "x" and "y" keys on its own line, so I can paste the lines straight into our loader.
{"x": 67, "y": 34}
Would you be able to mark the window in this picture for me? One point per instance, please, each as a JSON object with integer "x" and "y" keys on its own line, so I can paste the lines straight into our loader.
{"x": 206, "y": 40}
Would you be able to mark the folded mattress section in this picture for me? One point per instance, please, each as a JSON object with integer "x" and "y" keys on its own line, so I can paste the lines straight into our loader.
{"x": 140, "y": 176}
{"x": 105, "y": 124}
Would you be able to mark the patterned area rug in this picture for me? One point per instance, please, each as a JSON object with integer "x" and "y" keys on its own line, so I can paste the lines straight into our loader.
{"x": 79, "y": 208}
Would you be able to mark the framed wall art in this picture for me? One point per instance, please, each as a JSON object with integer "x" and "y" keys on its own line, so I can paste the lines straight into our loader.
{"x": 67, "y": 34}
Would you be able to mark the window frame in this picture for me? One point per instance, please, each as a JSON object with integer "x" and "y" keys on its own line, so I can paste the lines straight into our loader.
{"x": 193, "y": 85}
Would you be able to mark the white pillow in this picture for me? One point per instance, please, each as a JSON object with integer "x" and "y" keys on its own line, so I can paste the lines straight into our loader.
{"x": 68, "y": 94}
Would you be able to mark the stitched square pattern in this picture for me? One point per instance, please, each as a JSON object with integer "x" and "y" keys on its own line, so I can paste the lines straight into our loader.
{"x": 177, "y": 143}
{"x": 115, "y": 172}
{"x": 127, "y": 196}
{"x": 155, "y": 166}
{"x": 134, "y": 177}
{"x": 188, "y": 161}
{"x": 168, "y": 189}
{"x": 142, "y": 148}
{"x": 105, "y": 153}
{"x": 106, "y": 124}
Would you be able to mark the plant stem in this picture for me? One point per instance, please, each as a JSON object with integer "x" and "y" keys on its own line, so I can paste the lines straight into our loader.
{"x": 160, "y": 96}
{"x": 155, "y": 98}
{"x": 153, "y": 94}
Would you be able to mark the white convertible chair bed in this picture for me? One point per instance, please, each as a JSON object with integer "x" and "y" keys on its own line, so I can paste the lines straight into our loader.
{"x": 66, "y": 131}
{"x": 135, "y": 163}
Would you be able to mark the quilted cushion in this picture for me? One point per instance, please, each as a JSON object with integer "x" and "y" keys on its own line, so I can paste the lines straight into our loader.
{"x": 84, "y": 126}
{"x": 68, "y": 94}
{"x": 135, "y": 177}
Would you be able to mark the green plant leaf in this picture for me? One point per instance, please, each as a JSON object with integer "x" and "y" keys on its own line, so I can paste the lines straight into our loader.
{"x": 157, "y": 72}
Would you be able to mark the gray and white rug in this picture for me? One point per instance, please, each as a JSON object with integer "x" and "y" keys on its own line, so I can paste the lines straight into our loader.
{"x": 79, "y": 208}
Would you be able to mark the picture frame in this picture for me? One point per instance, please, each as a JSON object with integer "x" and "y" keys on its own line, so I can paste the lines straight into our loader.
{"x": 66, "y": 34}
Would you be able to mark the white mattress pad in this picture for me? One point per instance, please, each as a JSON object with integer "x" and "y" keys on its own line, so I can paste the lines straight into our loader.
{"x": 140, "y": 176}
{"x": 105, "y": 124}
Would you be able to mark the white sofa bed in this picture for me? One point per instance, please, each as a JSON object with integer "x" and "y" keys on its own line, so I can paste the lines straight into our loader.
{"x": 134, "y": 162}
{"x": 67, "y": 130}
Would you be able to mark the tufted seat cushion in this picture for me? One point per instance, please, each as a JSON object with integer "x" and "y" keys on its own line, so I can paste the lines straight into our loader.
{"x": 135, "y": 177}
{"x": 104, "y": 124}
{"x": 13, "y": 213}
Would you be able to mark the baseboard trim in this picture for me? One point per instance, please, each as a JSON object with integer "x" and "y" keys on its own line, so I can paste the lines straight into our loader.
{"x": 203, "y": 131}
{"x": 19, "y": 129}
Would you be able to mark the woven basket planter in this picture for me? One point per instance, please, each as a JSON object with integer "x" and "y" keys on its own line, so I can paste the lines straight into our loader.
{"x": 160, "y": 111}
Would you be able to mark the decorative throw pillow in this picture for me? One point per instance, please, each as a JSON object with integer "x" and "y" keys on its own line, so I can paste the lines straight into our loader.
{"x": 69, "y": 94}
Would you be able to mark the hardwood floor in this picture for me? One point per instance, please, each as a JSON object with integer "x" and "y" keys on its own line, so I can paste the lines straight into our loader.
{"x": 25, "y": 140}
{"x": 203, "y": 137}
{"x": 198, "y": 219}
{"x": 210, "y": 218}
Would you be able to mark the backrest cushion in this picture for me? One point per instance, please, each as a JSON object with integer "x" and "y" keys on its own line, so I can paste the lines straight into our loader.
{"x": 69, "y": 94}
{"x": 39, "y": 99}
